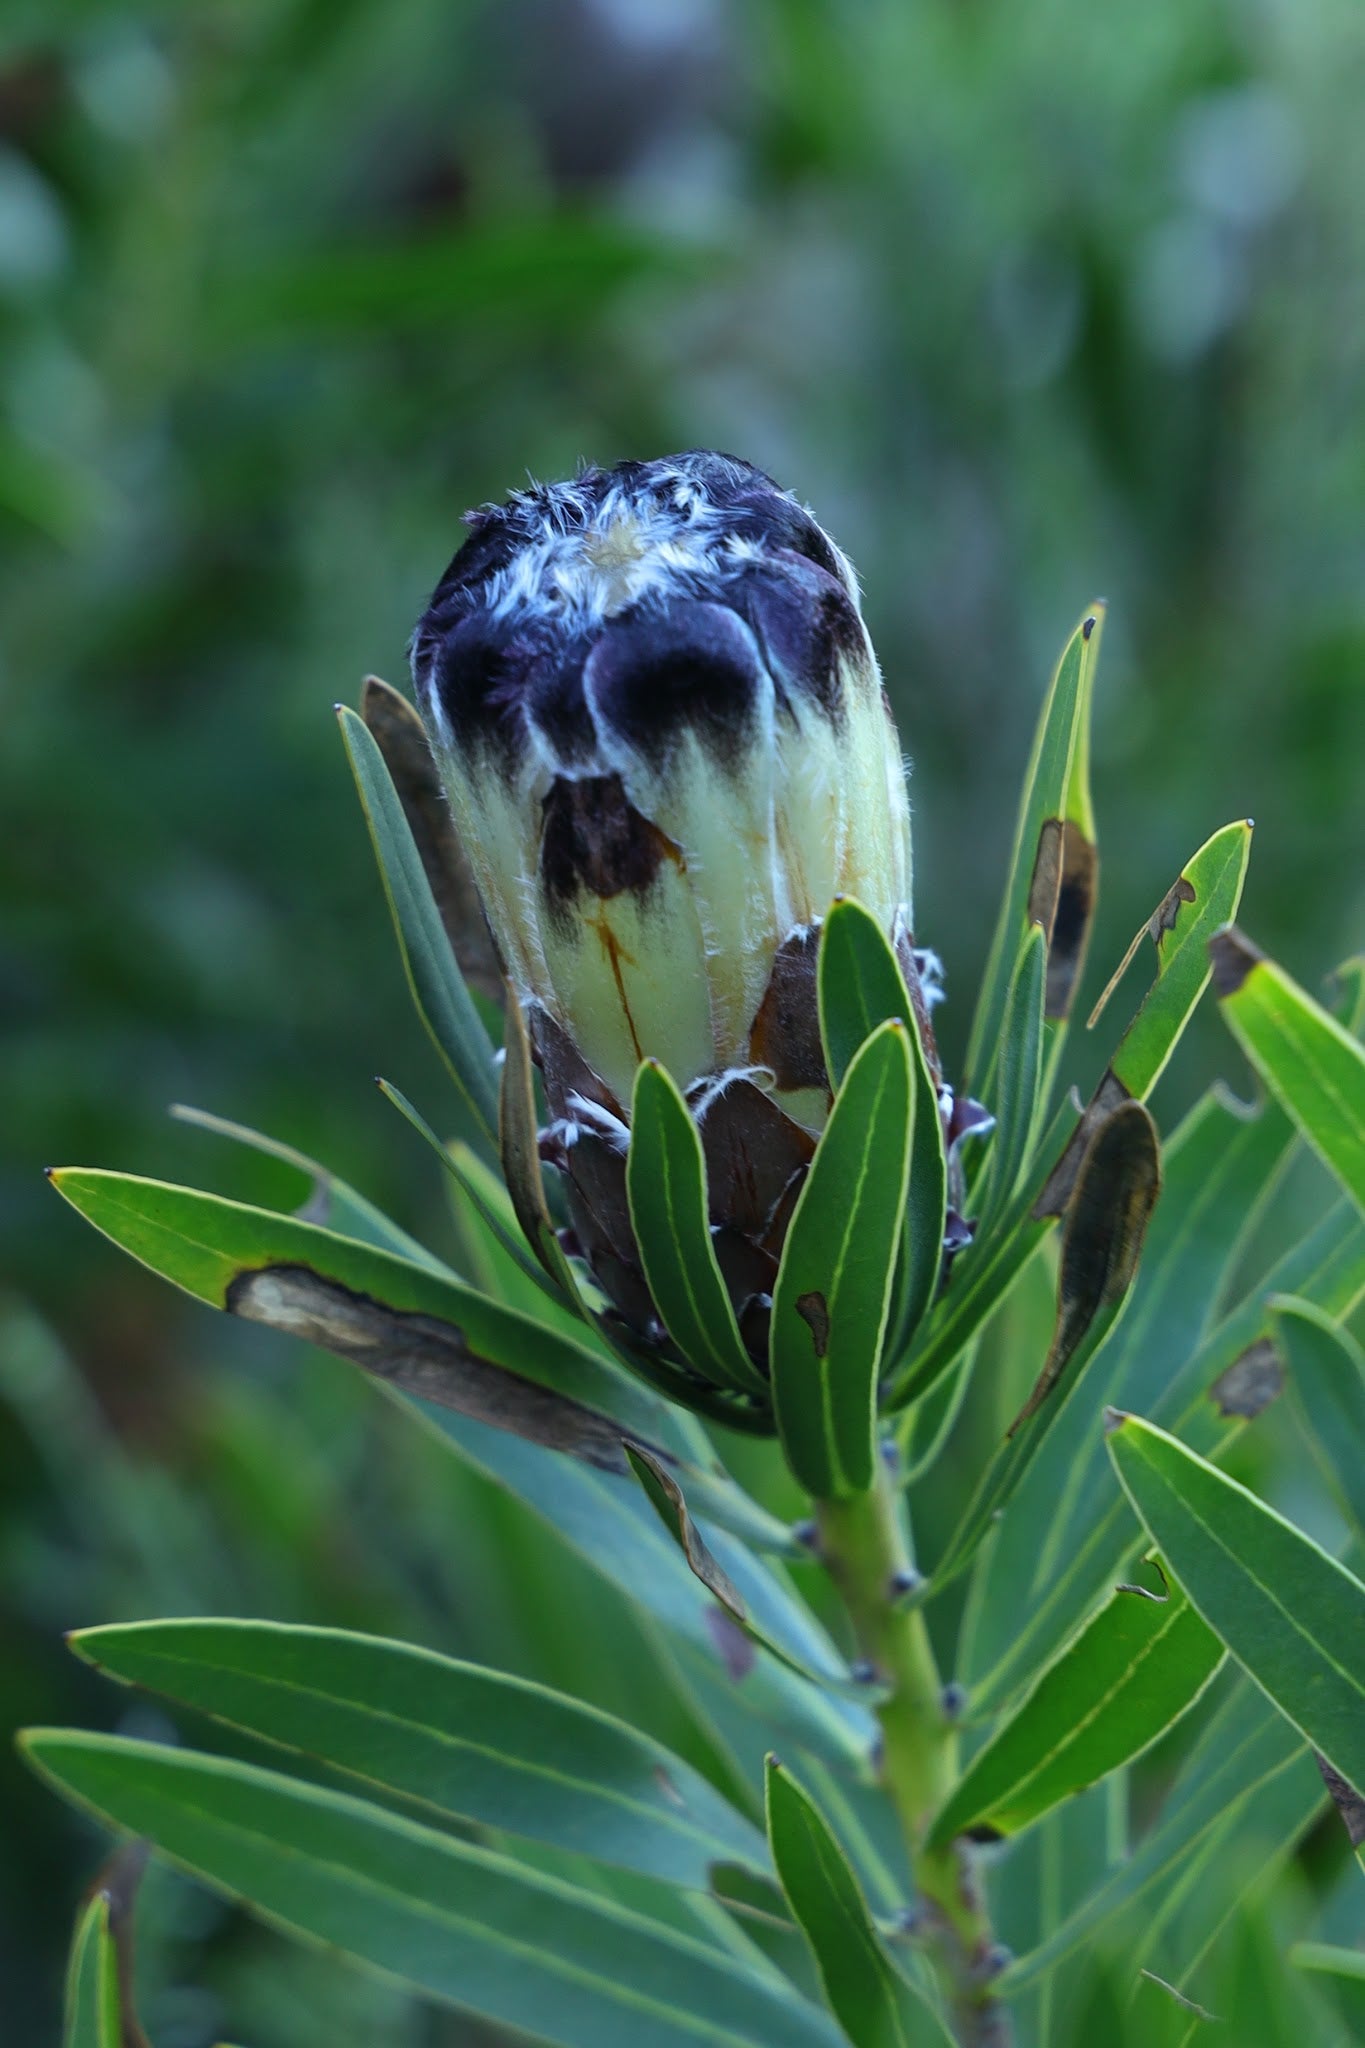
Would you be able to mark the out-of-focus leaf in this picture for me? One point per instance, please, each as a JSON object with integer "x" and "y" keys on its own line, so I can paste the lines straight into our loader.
{"x": 538, "y": 271}
{"x": 982, "y": 1278}
{"x": 93, "y": 2017}
{"x": 1329, "y": 1266}
{"x": 1309, "y": 1062}
{"x": 1134, "y": 1669}
{"x": 332, "y": 1202}
{"x": 1203, "y": 897}
{"x": 1107, "y": 1219}
{"x": 1342, "y": 1971}
{"x": 833, "y": 1290}
{"x": 418, "y": 1330}
{"x": 444, "y": 1003}
{"x": 1055, "y": 805}
{"x": 459, "y": 1923}
{"x": 398, "y": 732}
{"x": 611, "y": 1525}
{"x": 465, "y": 1741}
{"x": 666, "y": 1184}
{"x": 861, "y": 986}
{"x": 1327, "y": 1381}
{"x": 1291, "y": 1615}
{"x": 873, "y": 2003}
{"x": 777, "y": 1620}
{"x": 1018, "y": 1075}
{"x": 1245, "y": 1746}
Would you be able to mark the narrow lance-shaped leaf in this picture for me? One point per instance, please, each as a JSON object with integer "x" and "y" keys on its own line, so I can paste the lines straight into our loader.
{"x": 1054, "y": 808}
{"x": 833, "y": 1291}
{"x": 459, "y": 1923}
{"x": 1245, "y": 1750}
{"x": 455, "y": 1738}
{"x": 861, "y": 986}
{"x": 1291, "y": 1615}
{"x": 1115, "y": 1193}
{"x": 1308, "y": 1061}
{"x": 519, "y": 1151}
{"x": 874, "y": 2004}
{"x": 666, "y": 1184}
{"x": 99, "y": 2011}
{"x": 444, "y": 1003}
{"x": 93, "y": 2018}
{"x": 1018, "y": 1073}
{"x": 1327, "y": 1383}
{"x": 398, "y": 732}
{"x": 1140, "y": 1664}
{"x": 418, "y": 1330}
{"x": 774, "y": 1619}
{"x": 1202, "y": 898}
{"x": 1216, "y": 1155}
{"x": 332, "y": 1202}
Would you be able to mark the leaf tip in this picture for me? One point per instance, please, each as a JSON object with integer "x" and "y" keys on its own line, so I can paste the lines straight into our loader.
{"x": 1114, "y": 1419}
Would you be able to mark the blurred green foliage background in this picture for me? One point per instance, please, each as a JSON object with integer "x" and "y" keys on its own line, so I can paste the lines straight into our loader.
{"x": 1031, "y": 303}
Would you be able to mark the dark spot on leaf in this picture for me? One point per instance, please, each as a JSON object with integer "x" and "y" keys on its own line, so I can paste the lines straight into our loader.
{"x": 786, "y": 1031}
{"x": 737, "y": 1652}
{"x": 669, "y": 1789}
{"x": 1046, "y": 879}
{"x": 595, "y": 842}
{"x": 814, "y": 1309}
{"x": 1233, "y": 956}
{"x": 1111, "y": 1204}
{"x": 1071, "y": 923}
{"x": 424, "y": 1356}
{"x": 1250, "y": 1383}
{"x": 1164, "y": 918}
{"x": 1087, "y": 628}
{"x": 1348, "y": 1802}
{"x": 1057, "y": 1190}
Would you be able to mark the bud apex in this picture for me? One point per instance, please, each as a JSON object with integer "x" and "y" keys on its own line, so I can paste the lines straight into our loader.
{"x": 654, "y": 704}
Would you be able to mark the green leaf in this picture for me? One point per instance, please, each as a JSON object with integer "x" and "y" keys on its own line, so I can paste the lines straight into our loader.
{"x": 1327, "y": 1382}
{"x": 1308, "y": 1061}
{"x": 833, "y": 1292}
{"x": 1054, "y": 810}
{"x": 610, "y": 1524}
{"x": 432, "y": 1336}
{"x": 873, "y": 2003}
{"x": 1201, "y": 899}
{"x": 1292, "y": 1616}
{"x": 1342, "y": 1971}
{"x": 771, "y": 1615}
{"x": 443, "y": 1002}
{"x": 331, "y": 1202}
{"x": 1245, "y": 1748}
{"x": 861, "y": 986}
{"x": 982, "y": 1278}
{"x": 1134, "y": 1669}
{"x": 453, "y": 1737}
{"x": 1112, "y": 1202}
{"x": 1069, "y": 1527}
{"x": 93, "y": 2016}
{"x": 1019, "y": 1066}
{"x": 462, "y": 1924}
{"x": 666, "y": 1187}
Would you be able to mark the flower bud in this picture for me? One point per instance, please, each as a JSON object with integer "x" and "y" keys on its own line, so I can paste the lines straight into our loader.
{"x": 657, "y": 712}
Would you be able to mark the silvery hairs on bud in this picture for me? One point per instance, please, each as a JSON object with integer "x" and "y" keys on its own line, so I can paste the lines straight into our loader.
{"x": 660, "y": 721}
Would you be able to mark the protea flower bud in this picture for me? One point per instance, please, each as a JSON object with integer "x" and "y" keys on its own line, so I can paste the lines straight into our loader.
{"x": 657, "y": 712}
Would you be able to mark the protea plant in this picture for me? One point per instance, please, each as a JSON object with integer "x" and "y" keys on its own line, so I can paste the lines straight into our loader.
{"x": 648, "y": 852}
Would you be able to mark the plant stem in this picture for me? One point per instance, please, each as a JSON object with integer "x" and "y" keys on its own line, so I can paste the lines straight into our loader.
{"x": 865, "y": 1547}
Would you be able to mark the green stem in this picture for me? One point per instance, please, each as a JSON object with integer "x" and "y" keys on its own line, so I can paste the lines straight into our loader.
{"x": 864, "y": 1544}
